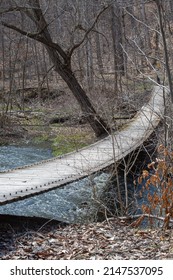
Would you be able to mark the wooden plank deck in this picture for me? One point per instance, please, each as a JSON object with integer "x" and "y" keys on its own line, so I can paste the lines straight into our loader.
{"x": 30, "y": 180}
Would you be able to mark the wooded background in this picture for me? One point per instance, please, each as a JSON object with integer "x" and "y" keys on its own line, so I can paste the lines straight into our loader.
{"x": 97, "y": 49}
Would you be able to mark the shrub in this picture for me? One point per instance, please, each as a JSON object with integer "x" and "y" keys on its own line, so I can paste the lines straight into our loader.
{"x": 159, "y": 177}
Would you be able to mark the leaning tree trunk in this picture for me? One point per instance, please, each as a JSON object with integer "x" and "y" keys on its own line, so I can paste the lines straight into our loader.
{"x": 95, "y": 121}
{"x": 62, "y": 63}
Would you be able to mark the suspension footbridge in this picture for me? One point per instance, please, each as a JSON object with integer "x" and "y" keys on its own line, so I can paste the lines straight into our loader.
{"x": 30, "y": 180}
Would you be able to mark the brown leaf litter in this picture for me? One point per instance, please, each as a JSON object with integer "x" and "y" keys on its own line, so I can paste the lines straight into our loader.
{"x": 108, "y": 240}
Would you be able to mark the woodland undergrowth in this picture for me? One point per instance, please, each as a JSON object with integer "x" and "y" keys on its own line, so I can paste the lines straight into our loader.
{"x": 157, "y": 181}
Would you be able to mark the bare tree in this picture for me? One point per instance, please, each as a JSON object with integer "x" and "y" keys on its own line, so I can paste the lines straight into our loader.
{"x": 98, "y": 44}
{"x": 160, "y": 9}
{"x": 116, "y": 27}
{"x": 60, "y": 58}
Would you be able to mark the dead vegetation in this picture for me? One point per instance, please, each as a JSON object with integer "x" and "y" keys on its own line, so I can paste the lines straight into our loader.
{"x": 112, "y": 239}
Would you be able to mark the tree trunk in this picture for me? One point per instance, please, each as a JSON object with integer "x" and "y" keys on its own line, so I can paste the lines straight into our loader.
{"x": 171, "y": 5}
{"x": 116, "y": 26}
{"x": 62, "y": 62}
{"x": 144, "y": 19}
{"x": 113, "y": 29}
{"x": 165, "y": 48}
{"x": 89, "y": 53}
{"x": 98, "y": 45}
{"x": 96, "y": 122}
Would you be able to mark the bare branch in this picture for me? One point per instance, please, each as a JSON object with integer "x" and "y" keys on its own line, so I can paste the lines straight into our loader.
{"x": 37, "y": 36}
{"x": 25, "y": 33}
{"x": 140, "y": 21}
{"x": 47, "y": 74}
{"x": 70, "y": 52}
{"x": 143, "y": 74}
{"x": 15, "y": 9}
{"x": 132, "y": 217}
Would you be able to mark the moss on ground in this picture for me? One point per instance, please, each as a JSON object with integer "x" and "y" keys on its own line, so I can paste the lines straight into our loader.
{"x": 41, "y": 139}
{"x": 63, "y": 144}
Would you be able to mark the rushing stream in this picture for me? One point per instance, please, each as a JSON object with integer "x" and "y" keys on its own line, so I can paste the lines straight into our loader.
{"x": 14, "y": 156}
{"x": 76, "y": 202}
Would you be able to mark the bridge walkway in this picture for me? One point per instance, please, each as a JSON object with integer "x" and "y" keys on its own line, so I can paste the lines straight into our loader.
{"x": 33, "y": 179}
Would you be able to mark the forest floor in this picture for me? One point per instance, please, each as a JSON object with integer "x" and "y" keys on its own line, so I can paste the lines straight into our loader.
{"x": 57, "y": 120}
{"x": 111, "y": 239}
{"x": 48, "y": 123}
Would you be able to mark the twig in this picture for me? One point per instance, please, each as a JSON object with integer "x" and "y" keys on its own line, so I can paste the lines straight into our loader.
{"x": 145, "y": 216}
